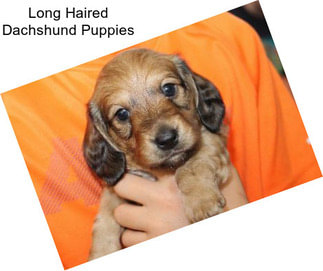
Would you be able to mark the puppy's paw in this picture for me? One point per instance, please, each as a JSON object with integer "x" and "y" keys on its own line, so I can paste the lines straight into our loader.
{"x": 198, "y": 208}
{"x": 97, "y": 252}
{"x": 105, "y": 236}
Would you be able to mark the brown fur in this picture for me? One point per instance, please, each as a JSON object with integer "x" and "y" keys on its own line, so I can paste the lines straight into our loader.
{"x": 133, "y": 80}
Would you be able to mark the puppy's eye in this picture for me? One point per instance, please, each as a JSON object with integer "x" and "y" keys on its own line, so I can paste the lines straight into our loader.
{"x": 122, "y": 114}
{"x": 169, "y": 90}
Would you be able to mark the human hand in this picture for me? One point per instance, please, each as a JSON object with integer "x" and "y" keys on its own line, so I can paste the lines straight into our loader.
{"x": 161, "y": 208}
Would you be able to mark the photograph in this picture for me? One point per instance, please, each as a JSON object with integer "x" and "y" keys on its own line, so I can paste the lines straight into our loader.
{"x": 160, "y": 135}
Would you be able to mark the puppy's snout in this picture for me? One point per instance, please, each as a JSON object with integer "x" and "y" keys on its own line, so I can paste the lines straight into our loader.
{"x": 166, "y": 139}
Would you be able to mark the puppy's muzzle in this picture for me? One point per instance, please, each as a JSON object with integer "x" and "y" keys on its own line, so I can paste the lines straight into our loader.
{"x": 167, "y": 138}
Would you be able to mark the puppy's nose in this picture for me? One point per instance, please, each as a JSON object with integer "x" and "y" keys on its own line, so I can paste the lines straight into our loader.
{"x": 166, "y": 138}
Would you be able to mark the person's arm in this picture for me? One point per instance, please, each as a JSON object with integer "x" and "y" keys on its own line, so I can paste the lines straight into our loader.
{"x": 162, "y": 208}
{"x": 233, "y": 191}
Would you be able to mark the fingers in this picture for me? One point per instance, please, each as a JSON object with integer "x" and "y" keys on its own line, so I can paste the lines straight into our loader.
{"x": 134, "y": 188}
{"x": 131, "y": 216}
{"x": 161, "y": 208}
{"x": 131, "y": 237}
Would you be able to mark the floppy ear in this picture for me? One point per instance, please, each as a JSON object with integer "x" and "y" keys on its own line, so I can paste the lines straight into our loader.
{"x": 99, "y": 152}
{"x": 209, "y": 104}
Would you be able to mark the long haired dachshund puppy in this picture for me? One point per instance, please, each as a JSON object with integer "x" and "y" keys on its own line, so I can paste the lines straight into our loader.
{"x": 151, "y": 115}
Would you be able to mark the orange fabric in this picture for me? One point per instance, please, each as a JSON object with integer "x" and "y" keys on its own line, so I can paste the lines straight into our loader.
{"x": 267, "y": 142}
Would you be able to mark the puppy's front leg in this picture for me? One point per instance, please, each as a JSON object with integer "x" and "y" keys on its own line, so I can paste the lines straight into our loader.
{"x": 106, "y": 231}
{"x": 200, "y": 177}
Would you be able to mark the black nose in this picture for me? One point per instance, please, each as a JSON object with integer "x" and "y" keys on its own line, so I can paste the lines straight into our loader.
{"x": 166, "y": 138}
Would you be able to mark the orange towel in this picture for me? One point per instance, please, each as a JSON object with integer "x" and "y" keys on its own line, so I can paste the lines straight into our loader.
{"x": 267, "y": 142}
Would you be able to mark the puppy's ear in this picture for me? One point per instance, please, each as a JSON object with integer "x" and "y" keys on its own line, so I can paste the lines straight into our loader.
{"x": 99, "y": 151}
{"x": 210, "y": 106}
{"x": 208, "y": 101}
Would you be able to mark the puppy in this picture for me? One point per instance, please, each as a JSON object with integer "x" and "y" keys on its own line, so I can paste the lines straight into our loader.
{"x": 151, "y": 115}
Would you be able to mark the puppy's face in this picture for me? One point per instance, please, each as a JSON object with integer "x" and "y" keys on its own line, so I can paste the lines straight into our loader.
{"x": 147, "y": 108}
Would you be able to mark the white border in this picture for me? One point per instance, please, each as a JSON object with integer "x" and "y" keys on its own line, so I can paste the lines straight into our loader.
{"x": 281, "y": 232}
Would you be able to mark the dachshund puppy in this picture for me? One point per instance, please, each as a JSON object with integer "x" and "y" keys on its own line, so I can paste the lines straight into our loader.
{"x": 151, "y": 115}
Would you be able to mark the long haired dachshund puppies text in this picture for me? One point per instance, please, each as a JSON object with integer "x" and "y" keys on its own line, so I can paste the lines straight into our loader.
{"x": 151, "y": 115}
